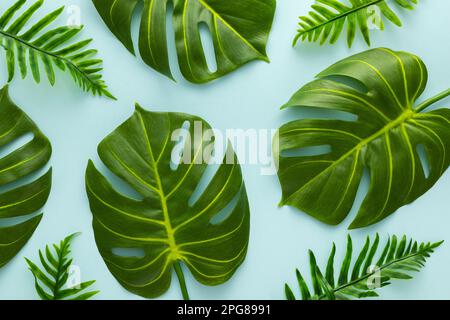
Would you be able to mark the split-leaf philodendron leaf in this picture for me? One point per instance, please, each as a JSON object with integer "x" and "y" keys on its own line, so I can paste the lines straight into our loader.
{"x": 167, "y": 226}
{"x": 239, "y": 31}
{"x": 380, "y": 87}
{"x": 18, "y": 201}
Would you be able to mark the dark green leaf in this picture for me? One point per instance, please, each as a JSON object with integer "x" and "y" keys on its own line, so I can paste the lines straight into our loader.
{"x": 163, "y": 225}
{"x": 239, "y": 30}
{"x": 27, "y": 159}
{"x": 380, "y": 87}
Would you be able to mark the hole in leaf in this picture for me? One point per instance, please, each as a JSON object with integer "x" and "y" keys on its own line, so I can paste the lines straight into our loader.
{"x": 223, "y": 214}
{"x": 136, "y": 24}
{"x": 171, "y": 46}
{"x": 306, "y": 112}
{"x": 182, "y": 135}
{"x": 348, "y": 81}
{"x": 25, "y": 180}
{"x": 15, "y": 144}
{"x": 118, "y": 183}
{"x": 9, "y": 222}
{"x": 206, "y": 178}
{"x": 307, "y": 151}
{"x": 129, "y": 252}
{"x": 208, "y": 46}
{"x": 363, "y": 189}
{"x": 422, "y": 153}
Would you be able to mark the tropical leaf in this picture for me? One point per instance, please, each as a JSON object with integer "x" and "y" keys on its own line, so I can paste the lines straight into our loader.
{"x": 397, "y": 260}
{"x": 327, "y": 19}
{"x": 55, "y": 274}
{"x": 379, "y": 87}
{"x": 29, "y": 48}
{"x": 19, "y": 199}
{"x": 169, "y": 225}
{"x": 239, "y": 31}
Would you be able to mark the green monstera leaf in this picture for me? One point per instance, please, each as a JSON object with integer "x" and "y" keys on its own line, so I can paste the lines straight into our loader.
{"x": 168, "y": 225}
{"x": 239, "y": 31}
{"x": 18, "y": 201}
{"x": 380, "y": 87}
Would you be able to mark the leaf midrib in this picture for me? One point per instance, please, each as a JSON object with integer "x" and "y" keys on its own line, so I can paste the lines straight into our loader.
{"x": 162, "y": 197}
{"x": 340, "y": 16}
{"x": 33, "y": 47}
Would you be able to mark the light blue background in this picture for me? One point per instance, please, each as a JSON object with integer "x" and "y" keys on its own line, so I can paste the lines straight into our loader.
{"x": 76, "y": 122}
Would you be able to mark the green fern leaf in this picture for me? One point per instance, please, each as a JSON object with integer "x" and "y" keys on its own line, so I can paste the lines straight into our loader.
{"x": 51, "y": 281}
{"x": 327, "y": 19}
{"x": 27, "y": 49}
{"x": 397, "y": 260}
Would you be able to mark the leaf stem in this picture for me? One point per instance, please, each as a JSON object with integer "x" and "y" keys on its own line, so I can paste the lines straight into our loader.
{"x": 180, "y": 276}
{"x": 432, "y": 100}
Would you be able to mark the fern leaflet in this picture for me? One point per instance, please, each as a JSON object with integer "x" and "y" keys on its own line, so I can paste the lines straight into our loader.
{"x": 56, "y": 274}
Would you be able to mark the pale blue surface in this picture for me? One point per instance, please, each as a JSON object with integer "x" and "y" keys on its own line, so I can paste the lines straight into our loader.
{"x": 75, "y": 122}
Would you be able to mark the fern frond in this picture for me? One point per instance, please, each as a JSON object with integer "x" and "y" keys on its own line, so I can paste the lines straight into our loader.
{"x": 396, "y": 261}
{"x": 55, "y": 274}
{"x": 53, "y": 48}
{"x": 327, "y": 19}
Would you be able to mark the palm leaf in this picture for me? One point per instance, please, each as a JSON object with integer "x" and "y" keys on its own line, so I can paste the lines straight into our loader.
{"x": 239, "y": 31}
{"x": 396, "y": 261}
{"x": 165, "y": 224}
{"x": 328, "y": 18}
{"x": 379, "y": 87}
{"x": 20, "y": 163}
{"x": 50, "y": 282}
{"x": 27, "y": 49}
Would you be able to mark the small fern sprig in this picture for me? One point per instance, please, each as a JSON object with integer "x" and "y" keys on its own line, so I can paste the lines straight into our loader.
{"x": 52, "y": 48}
{"x": 327, "y": 19}
{"x": 56, "y": 274}
{"x": 396, "y": 261}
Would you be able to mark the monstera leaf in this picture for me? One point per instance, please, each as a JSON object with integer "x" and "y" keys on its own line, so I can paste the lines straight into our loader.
{"x": 27, "y": 198}
{"x": 380, "y": 87}
{"x": 168, "y": 225}
{"x": 239, "y": 30}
